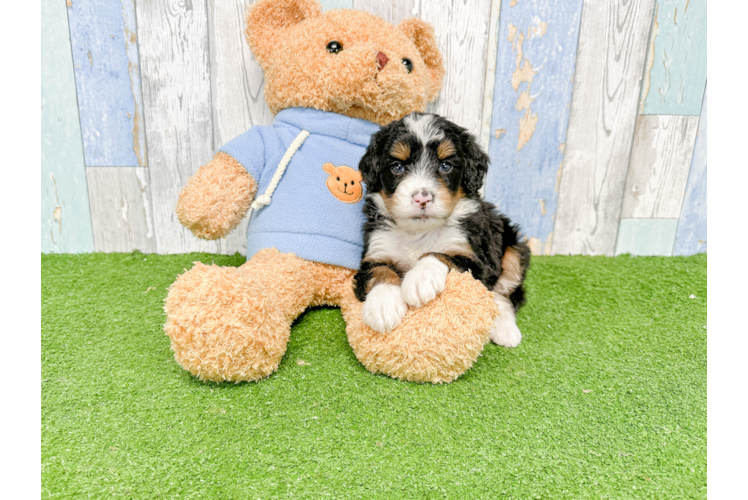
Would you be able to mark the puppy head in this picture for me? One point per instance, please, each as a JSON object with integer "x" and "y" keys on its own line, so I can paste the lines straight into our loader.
{"x": 417, "y": 170}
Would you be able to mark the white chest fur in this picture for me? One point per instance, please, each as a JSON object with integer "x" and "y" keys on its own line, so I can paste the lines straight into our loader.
{"x": 404, "y": 248}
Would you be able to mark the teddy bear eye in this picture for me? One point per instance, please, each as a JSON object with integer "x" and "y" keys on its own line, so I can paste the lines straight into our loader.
{"x": 408, "y": 64}
{"x": 334, "y": 47}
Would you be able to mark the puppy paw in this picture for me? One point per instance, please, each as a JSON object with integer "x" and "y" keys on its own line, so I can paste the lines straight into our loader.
{"x": 504, "y": 332}
{"x": 425, "y": 281}
{"x": 384, "y": 308}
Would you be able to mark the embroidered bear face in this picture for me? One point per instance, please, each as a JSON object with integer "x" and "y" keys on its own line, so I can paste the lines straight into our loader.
{"x": 344, "y": 183}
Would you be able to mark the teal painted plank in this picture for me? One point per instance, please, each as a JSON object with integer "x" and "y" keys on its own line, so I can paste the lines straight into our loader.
{"x": 336, "y": 4}
{"x": 66, "y": 221}
{"x": 675, "y": 71}
{"x": 691, "y": 235}
{"x": 646, "y": 236}
{"x": 107, "y": 77}
{"x": 534, "y": 71}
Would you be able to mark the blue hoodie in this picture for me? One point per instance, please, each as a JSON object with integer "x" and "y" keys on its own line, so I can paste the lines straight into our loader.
{"x": 305, "y": 217}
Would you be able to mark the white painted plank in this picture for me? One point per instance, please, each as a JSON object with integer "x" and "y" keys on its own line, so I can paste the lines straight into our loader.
{"x": 610, "y": 61}
{"x": 646, "y": 237}
{"x": 121, "y": 209}
{"x": 237, "y": 89}
{"x": 174, "y": 57}
{"x": 65, "y": 217}
{"x": 462, "y": 33}
{"x": 489, "y": 83}
{"x": 660, "y": 160}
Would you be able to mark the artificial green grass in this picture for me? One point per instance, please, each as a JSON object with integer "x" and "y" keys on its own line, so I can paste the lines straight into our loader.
{"x": 604, "y": 398}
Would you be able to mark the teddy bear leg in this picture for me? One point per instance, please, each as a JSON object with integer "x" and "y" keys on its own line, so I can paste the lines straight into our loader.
{"x": 436, "y": 342}
{"x": 233, "y": 324}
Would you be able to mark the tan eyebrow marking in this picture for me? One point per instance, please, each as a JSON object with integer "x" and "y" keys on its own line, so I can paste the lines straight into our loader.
{"x": 400, "y": 150}
{"x": 445, "y": 149}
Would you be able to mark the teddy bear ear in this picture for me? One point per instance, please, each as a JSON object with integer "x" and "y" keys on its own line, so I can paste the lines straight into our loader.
{"x": 266, "y": 20}
{"x": 421, "y": 34}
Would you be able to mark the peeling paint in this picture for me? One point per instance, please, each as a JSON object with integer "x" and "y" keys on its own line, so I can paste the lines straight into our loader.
{"x": 512, "y": 3}
{"x": 526, "y": 128}
{"x": 143, "y": 185}
{"x": 558, "y": 175}
{"x": 90, "y": 59}
{"x": 499, "y": 132}
{"x": 539, "y": 247}
{"x": 543, "y": 211}
{"x": 524, "y": 72}
{"x": 57, "y": 215}
{"x": 69, "y": 3}
{"x": 650, "y": 62}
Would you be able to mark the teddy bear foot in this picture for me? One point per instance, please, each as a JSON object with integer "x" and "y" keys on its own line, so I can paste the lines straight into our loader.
{"x": 435, "y": 343}
{"x": 222, "y": 326}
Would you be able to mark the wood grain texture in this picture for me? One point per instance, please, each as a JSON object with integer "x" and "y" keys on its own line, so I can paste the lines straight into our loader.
{"x": 65, "y": 219}
{"x": 607, "y": 82}
{"x": 691, "y": 236}
{"x": 675, "y": 71}
{"x": 175, "y": 71}
{"x": 462, "y": 31}
{"x": 658, "y": 171}
{"x": 107, "y": 77}
{"x": 534, "y": 70}
{"x": 121, "y": 209}
{"x": 494, "y": 29}
{"x": 646, "y": 236}
{"x": 237, "y": 89}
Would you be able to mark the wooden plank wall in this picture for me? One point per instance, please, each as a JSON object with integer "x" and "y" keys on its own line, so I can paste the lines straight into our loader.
{"x": 589, "y": 111}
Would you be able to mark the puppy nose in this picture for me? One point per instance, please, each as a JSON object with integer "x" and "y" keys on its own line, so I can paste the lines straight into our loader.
{"x": 422, "y": 198}
{"x": 382, "y": 60}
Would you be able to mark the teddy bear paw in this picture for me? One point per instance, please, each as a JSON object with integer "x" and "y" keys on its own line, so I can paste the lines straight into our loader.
{"x": 384, "y": 308}
{"x": 425, "y": 281}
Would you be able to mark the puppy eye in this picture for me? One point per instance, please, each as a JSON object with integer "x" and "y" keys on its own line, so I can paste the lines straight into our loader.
{"x": 408, "y": 64}
{"x": 397, "y": 168}
{"x": 445, "y": 167}
{"x": 334, "y": 47}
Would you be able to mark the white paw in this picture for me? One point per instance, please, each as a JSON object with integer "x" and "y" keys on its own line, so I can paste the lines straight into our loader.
{"x": 504, "y": 331}
{"x": 384, "y": 308}
{"x": 425, "y": 281}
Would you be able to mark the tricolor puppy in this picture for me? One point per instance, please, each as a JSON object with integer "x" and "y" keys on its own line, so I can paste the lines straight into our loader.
{"x": 425, "y": 217}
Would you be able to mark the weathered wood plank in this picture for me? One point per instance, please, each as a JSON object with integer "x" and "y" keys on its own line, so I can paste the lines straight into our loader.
{"x": 646, "y": 236}
{"x": 462, "y": 31}
{"x": 691, "y": 235}
{"x": 534, "y": 71}
{"x": 65, "y": 219}
{"x": 107, "y": 77}
{"x": 121, "y": 209}
{"x": 675, "y": 72}
{"x": 461, "y": 28}
{"x": 175, "y": 72}
{"x": 607, "y": 81}
{"x": 494, "y": 28}
{"x": 658, "y": 171}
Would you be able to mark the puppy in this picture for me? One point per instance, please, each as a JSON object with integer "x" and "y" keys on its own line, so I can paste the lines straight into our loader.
{"x": 425, "y": 216}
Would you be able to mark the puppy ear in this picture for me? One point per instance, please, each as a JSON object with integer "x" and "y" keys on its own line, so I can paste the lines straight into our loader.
{"x": 476, "y": 165}
{"x": 369, "y": 166}
{"x": 267, "y": 20}
{"x": 421, "y": 34}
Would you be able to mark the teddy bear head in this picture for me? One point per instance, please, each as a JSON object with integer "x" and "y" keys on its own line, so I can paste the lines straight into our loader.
{"x": 345, "y": 61}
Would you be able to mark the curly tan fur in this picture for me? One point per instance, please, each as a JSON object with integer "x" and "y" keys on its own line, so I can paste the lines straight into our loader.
{"x": 216, "y": 198}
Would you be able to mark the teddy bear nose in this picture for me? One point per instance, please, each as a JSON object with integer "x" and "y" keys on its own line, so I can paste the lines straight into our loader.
{"x": 382, "y": 60}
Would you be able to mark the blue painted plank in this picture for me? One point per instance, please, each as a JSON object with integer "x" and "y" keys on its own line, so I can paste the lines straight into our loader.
{"x": 534, "y": 72}
{"x": 66, "y": 221}
{"x": 691, "y": 236}
{"x": 107, "y": 77}
{"x": 646, "y": 236}
{"x": 675, "y": 71}
{"x": 712, "y": 233}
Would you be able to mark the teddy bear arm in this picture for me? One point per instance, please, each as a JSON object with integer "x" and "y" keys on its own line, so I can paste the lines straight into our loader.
{"x": 216, "y": 198}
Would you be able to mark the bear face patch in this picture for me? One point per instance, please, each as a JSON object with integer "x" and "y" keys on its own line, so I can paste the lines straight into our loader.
{"x": 344, "y": 183}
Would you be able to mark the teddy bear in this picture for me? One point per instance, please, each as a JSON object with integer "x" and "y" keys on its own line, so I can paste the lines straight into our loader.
{"x": 331, "y": 80}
